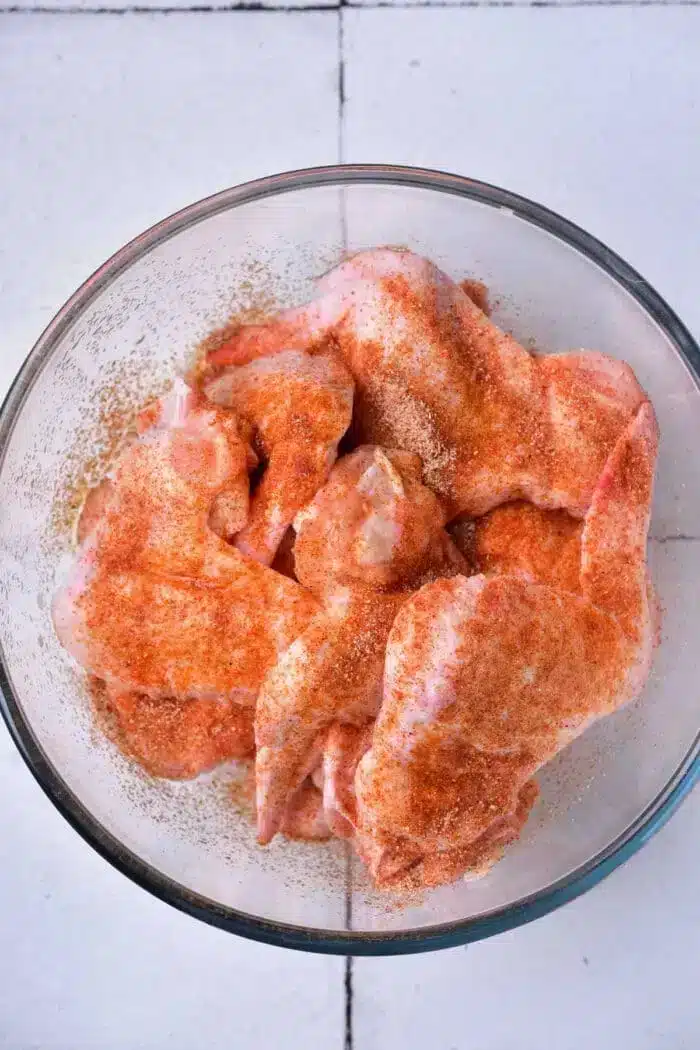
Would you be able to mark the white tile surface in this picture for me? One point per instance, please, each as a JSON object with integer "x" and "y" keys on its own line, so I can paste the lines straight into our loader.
{"x": 92, "y": 962}
{"x": 616, "y": 968}
{"x": 591, "y": 111}
{"x": 110, "y": 123}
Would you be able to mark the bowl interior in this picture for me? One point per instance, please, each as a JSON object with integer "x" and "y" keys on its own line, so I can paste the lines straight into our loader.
{"x": 129, "y": 333}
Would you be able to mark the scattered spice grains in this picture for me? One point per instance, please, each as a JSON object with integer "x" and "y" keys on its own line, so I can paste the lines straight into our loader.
{"x": 478, "y": 293}
{"x": 402, "y": 420}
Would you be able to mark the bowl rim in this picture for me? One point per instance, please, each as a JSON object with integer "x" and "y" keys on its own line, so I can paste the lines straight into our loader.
{"x": 348, "y": 942}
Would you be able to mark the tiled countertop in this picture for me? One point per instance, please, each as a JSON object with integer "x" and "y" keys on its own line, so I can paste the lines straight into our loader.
{"x": 110, "y": 119}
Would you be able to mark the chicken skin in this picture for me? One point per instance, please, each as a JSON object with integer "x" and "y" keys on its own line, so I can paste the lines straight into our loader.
{"x": 520, "y": 538}
{"x": 343, "y": 748}
{"x": 515, "y": 538}
{"x": 488, "y": 677}
{"x": 185, "y": 472}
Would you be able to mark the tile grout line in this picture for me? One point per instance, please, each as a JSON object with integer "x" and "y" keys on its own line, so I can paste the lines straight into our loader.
{"x": 348, "y": 1041}
{"x": 408, "y": 5}
{"x": 372, "y": 5}
{"x": 348, "y": 1017}
{"x": 341, "y": 94}
{"x": 194, "y": 9}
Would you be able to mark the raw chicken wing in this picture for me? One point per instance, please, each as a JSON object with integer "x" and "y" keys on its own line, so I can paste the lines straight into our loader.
{"x": 176, "y": 739}
{"x": 185, "y": 473}
{"x": 488, "y": 677}
{"x": 177, "y": 636}
{"x": 343, "y": 748}
{"x": 156, "y": 602}
{"x": 299, "y": 408}
{"x": 520, "y": 538}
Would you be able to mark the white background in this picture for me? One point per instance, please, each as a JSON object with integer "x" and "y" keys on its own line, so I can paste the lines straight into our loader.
{"x": 110, "y": 120}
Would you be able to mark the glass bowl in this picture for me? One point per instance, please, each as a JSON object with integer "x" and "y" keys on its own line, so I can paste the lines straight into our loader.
{"x": 123, "y": 334}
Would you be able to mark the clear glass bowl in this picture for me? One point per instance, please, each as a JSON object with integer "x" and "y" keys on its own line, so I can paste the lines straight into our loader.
{"x": 130, "y": 327}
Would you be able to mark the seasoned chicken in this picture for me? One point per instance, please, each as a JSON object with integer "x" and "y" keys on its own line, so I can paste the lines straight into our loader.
{"x": 184, "y": 475}
{"x": 520, "y": 538}
{"x": 515, "y": 538}
{"x": 399, "y": 681}
{"x": 175, "y": 739}
{"x": 343, "y": 747}
{"x": 370, "y": 533}
{"x": 299, "y": 407}
{"x": 488, "y": 677}
{"x": 396, "y": 862}
{"x": 333, "y": 671}
{"x": 177, "y": 636}
{"x": 435, "y": 376}
{"x": 373, "y": 524}
{"x": 305, "y": 818}
{"x": 156, "y": 602}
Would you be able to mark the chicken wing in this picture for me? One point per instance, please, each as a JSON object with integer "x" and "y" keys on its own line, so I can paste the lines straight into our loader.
{"x": 299, "y": 408}
{"x": 343, "y": 748}
{"x": 176, "y": 636}
{"x": 487, "y": 678}
{"x": 399, "y": 863}
{"x": 362, "y": 541}
{"x": 177, "y": 487}
{"x": 175, "y": 739}
{"x": 156, "y": 602}
{"x": 373, "y": 524}
{"x": 520, "y": 538}
{"x": 305, "y": 818}
{"x": 434, "y": 375}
